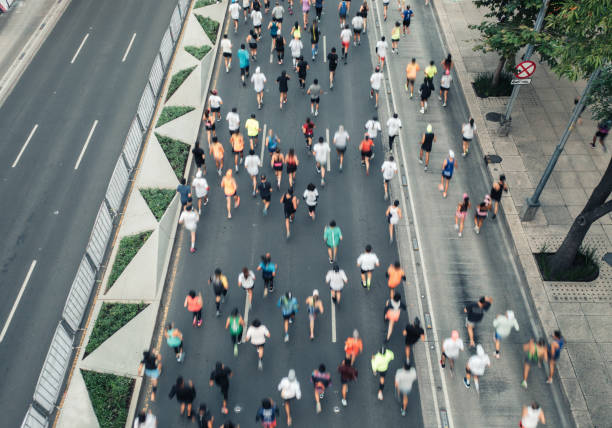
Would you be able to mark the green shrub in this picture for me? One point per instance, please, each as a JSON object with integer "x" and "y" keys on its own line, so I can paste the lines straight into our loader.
{"x": 584, "y": 269}
{"x": 482, "y": 85}
{"x": 202, "y": 3}
{"x": 128, "y": 247}
{"x": 200, "y": 52}
{"x": 177, "y": 80}
{"x": 172, "y": 112}
{"x": 176, "y": 151}
{"x": 110, "y": 396}
{"x": 158, "y": 200}
{"x": 210, "y": 27}
{"x": 111, "y": 318}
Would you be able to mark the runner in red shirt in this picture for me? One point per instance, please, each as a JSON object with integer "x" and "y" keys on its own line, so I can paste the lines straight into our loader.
{"x": 365, "y": 147}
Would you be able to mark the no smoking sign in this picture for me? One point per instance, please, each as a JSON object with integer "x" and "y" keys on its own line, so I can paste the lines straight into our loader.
{"x": 525, "y": 69}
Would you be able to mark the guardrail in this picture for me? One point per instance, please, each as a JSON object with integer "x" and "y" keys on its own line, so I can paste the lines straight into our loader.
{"x": 51, "y": 379}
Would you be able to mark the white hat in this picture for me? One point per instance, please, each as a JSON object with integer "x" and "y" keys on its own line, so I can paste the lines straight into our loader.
{"x": 480, "y": 350}
{"x": 315, "y": 292}
{"x": 451, "y": 153}
{"x": 291, "y": 375}
{"x": 429, "y": 128}
{"x": 510, "y": 315}
{"x": 258, "y": 69}
{"x": 198, "y": 174}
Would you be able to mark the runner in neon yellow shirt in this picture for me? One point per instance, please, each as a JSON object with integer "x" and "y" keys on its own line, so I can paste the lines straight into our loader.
{"x": 252, "y": 126}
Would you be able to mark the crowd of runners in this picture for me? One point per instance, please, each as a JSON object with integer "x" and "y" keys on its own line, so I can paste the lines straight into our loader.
{"x": 278, "y": 169}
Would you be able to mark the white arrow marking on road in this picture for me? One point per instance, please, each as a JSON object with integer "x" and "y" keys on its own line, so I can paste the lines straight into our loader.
{"x": 93, "y": 128}
{"x": 79, "y": 49}
{"x": 23, "y": 286}
{"x": 127, "y": 51}
{"x": 333, "y": 319}
{"x": 25, "y": 145}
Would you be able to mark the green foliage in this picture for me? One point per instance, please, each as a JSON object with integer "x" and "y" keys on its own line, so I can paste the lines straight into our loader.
{"x": 111, "y": 318}
{"x": 584, "y": 269}
{"x": 128, "y": 247}
{"x": 110, "y": 396}
{"x": 600, "y": 95}
{"x": 203, "y": 3}
{"x": 172, "y": 112}
{"x": 176, "y": 151}
{"x": 578, "y": 37}
{"x": 177, "y": 80}
{"x": 483, "y": 85}
{"x": 210, "y": 27}
{"x": 200, "y": 52}
{"x": 158, "y": 200}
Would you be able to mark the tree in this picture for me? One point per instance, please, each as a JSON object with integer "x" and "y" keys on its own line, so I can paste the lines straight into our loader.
{"x": 599, "y": 98}
{"x": 580, "y": 42}
{"x": 507, "y": 30}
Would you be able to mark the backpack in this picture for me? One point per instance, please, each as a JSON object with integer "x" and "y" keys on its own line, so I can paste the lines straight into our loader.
{"x": 343, "y": 9}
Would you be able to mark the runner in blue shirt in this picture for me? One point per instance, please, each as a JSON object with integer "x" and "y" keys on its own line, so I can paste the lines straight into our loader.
{"x": 268, "y": 272}
{"x": 243, "y": 57}
{"x": 289, "y": 307}
{"x": 267, "y": 413}
{"x": 406, "y": 15}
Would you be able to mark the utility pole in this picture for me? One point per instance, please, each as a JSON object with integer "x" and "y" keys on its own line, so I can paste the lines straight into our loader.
{"x": 506, "y": 120}
{"x": 532, "y": 203}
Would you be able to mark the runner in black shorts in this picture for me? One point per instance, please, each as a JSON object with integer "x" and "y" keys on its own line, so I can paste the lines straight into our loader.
{"x": 220, "y": 286}
{"x": 332, "y": 59}
{"x": 251, "y": 39}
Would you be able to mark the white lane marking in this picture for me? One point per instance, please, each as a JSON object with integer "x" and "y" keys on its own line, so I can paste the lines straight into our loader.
{"x": 23, "y": 287}
{"x": 25, "y": 145}
{"x": 328, "y": 153}
{"x": 79, "y": 49}
{"x": 324, "y": 48}
{"x": 333, "y": 319}
{"x": 127, "y": 51}
{"x": 422, "y": 259}
{"x": 263, "y": 143}
{"x": 246, "y": 311}
{"x": 93, "y": 128}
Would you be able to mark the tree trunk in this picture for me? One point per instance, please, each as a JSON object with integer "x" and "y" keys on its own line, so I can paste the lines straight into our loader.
{"x": 498, "y": 71}
{"x": 595, "y": 208}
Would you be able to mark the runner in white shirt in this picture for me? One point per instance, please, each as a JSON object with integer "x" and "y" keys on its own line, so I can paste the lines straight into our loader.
{"x": 246, "y": 280}
{"x": 341, "y": 139}
{"x": 257, "y": 334}
{"x": 445, "y": 83}
{"x": 215, "y": 102}
{"x": 226, "y": 48}
{"x": 388, "y": 168}
{"x": 450, "y": 350}
{"x": 532, "y": 415}
{"x": 467, "y": 130}
{"x": 252, "y": 163}
{"x": 381, "y": 51}
{"x": 311, "y": 196}
{"x": 375, "y": 82}
{"x": 289, "y": 389}
{"x": 404, "y": 379}
{"x": 321, "y": 151}
{"x": 357, "y": 23}
{"x": 234, "y": 9}
{"x": 277, "y": 14}
{"x": 233, "y": 121}
{"x": 257, "y": 17}
{"x": 476, "y": 367}
{"x": 246, "y": 5}
{"x": 372, "y": 127}
{"x": 367, "y": 262}
{"x": 190, "y": 219}
{"x": 200, "y": 186}
{"x": 394, "y": 124}
{"x": 259, "y": 81}
{"x": 296, "y": 47}
{"x": 336, "y": 278}
{"x": 345, "y": 39}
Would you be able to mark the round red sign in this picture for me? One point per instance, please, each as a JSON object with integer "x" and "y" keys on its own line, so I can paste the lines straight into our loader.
{"x": 524, "y": 69}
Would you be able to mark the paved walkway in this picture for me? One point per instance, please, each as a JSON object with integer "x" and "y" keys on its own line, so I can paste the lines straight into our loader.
{"x": 581, "y": 311}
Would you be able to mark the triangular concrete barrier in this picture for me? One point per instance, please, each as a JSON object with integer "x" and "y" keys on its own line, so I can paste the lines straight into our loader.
{"x": 155, "y": 170}
{"x": 194, "y": 33}
{"x": 137, "y": 217}
{"x": 184, "y": 128}
{"x": 184, "y": 60}
{"x": 77, "y": 410}
{"x": 121, "y": 353}
{"x": 215, "y": 11}
{"x": 138, "y": 281}
{"x": 188, "y": 94}
{"x": 167, "y": 230}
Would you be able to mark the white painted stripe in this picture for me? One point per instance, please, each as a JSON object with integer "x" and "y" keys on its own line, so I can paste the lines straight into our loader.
{"x": 127, "y": 51}
{"x": 324, "y": 48}
{"x": 263, "y": 144}
{"x": 79, "y": 49}
{"x": 93, "y": 128}
{"x": 328, "y": 154}
{"x": 333, "y": 320}
{"x": 25, "y": 145}
{"x": 246, "y": 312}
{"x": 23, "y": 287}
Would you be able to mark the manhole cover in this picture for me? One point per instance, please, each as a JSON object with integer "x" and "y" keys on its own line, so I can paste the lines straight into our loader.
{"x": 492, "y": 159}
{"x": 493, "y": 116}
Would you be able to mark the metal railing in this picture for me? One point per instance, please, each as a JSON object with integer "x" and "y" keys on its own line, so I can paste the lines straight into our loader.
{"x": 100, "y": 234}
{"x": 78, "y": 298}
{"x": 34, "y": 419}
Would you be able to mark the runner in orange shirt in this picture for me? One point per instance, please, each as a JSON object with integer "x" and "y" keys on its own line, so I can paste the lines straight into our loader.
{"x": 353, "y": 346}
{"x": 237, "y": 143}
{"x": 216, "y": 148}
{"x": 365, "y": 147}
{"x": 411, "y": 74}
{"x": 230, "y": 188}
{"x": 395, "y": 276}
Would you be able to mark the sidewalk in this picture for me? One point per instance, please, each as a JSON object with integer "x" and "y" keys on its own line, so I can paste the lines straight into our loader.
{"x": 581, "y": 311}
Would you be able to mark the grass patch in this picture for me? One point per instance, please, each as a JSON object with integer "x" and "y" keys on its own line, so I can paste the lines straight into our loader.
{"x": 111, "y": 318}
{"x": 200, "y": 52}
{"x": 202, "y": 3}
{"x": 110, "y": 396}
{"x": 584, "y": 269}
{"x": 176, "y": 151}
{"x": 170, "y": 113}
{"x": 158, "y": 200}
{"x": 210, "y": 27}
{"x": 483, "y": 85}
{"x": 177, "y": 80}
{"x": 128, "y": 247}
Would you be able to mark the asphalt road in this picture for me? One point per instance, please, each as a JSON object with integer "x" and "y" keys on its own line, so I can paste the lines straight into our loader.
{"x": 49, "y": 205}
{"x": 450, "y": 271}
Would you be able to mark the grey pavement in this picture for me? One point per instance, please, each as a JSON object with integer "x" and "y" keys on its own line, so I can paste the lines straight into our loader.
{"x": 53, "y": 222}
